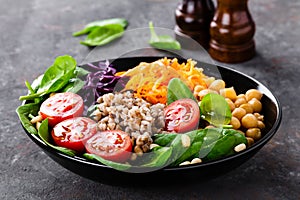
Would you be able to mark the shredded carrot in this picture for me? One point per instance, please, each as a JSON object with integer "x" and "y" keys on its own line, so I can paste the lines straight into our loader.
{"x": 150, "y": 80}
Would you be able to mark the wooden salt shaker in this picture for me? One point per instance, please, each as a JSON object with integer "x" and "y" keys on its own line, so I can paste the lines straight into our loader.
{"x": 193, "y": 19}
{"x": 232, "y": 30}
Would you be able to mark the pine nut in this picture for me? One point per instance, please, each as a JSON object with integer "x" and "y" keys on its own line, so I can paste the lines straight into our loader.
{"x": 37, "y": 125}
{"x": 196, "y": 160}
{"x": 185, "y": 163}
{"x": 185, "y": 140}
{"x": 36, "y": 119}
{"x": 240, "y": 147}
{"x": 153, "y": 146}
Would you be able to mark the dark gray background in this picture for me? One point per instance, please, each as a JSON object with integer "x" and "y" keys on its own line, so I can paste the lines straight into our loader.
{"x": 34, "y": 32}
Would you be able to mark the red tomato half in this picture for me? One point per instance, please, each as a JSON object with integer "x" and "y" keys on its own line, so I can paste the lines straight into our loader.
{"x": 114, "y": 145}
{"x": 61, "y": 106}
{"x": 73, "y": 133}
{"x": 182, "y": 116}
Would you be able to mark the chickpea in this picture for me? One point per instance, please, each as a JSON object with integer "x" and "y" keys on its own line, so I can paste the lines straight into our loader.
{"x": 198, "y": 88}
{"x": 254, "y": 133}
{"x": 236, "y": 124}
{"x": 239, "y": 113}
{"x": 253, "y": 93}
{"x": 217, "y": 85}
{"x": 228, "y": 93}
{"x": 260, "y": 124}
{"x": 230, "y": 103}
{"x": 241, "y": 96}
{"x": 204, "y": 92}
{"x": 210, "y": 126}
{"x": 247, "y": 107}
{"x": 259, "y": 116}
{"x": 239, "y": 101}
{"x": 250, "y": 141}
{"x": 256, "y": 105}
{"x": 209, "y": 80}
{"x": 241, "y": 132}
{"x": 249, "y": 121}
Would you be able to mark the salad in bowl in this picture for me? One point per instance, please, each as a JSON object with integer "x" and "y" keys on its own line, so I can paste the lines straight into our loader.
{"x": 162, "y": 114}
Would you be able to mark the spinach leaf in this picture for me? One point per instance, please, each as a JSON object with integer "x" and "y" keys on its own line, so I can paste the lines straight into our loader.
{"x": 162, "y": 41}
{"x": 215, "y": 109}
{"x": 45, "y": 136}
{"x": 115, "y": 165}
{"x": 23, "y": 112}
{"x": 36, "y": 83}
{"x": 174, "y": 141}
{"x": 80, "y": 72}
{"x": 55, "y": 77}
{"x": 158, "y": 157}
{"x": 58, "y": 74}
{"x": 164, "y": 139}
{"x": 224, "y": 146}
{"x": 93, "y": 25}
{"x": 74, "y": 85}
{"x": 102, "y": 35}
{"x": 177, "y": 89}
{"x": 193, "y": 150}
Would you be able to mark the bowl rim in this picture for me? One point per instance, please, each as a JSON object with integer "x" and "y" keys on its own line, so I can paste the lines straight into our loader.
{"x": 256, "y": 145}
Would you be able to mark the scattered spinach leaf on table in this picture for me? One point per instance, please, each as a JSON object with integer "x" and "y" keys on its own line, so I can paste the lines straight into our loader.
{"x": 94, "y": 25}
{"x": 103, "y": 35}
{"x": 162, "y": 41}
{"x": 102, "y": 32}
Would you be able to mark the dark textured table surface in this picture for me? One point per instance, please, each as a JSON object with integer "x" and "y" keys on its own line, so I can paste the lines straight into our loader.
{"x": 33, "y": 33}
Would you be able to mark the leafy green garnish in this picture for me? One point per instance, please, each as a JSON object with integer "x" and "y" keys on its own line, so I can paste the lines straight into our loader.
{"x": 103, "y": 35}
{"x": 207, "y": 144}
{"x": 177, "y": 89}
{"x": 158, "y": 157}
{"x": 55, "y": 77}
{"x": 24, "y": 111}
{"x": 215, "y": 109}
{"x": 115, "y": 165}
{"x": 224, "y": 146}
{"x": 80, "y": 72}
{"x": 74, "y": 85}
{"x": 162, "y": 41}
{"x": 45, "y": 136}
{"x": 94, "y": 25}
{"x": 102, "y": 32}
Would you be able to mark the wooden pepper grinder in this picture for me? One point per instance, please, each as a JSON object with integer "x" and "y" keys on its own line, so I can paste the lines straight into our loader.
{"x": 193, "y": 19}
{"x": 232, "y": 30}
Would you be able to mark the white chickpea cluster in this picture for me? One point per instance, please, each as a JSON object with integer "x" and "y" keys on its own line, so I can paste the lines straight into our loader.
{"x": 245, "y": 108}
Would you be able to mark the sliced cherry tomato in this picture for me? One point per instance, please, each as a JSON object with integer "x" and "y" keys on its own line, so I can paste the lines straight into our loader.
{"x": 61, "y": 106}
{"x": 182, "y": 116}
{"x": 73, "y": 133}
{"x": 114, "y": 145}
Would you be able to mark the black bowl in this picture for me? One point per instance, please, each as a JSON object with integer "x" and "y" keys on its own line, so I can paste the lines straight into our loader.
{"x": 203, "y": 171}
